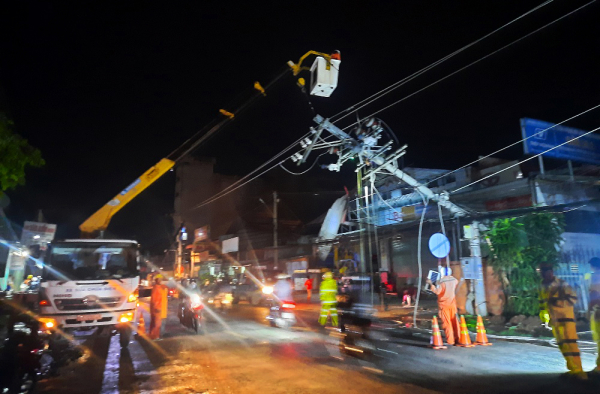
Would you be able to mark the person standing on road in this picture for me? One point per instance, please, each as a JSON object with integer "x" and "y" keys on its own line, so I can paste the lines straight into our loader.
{"x": 446, "y": 293}
{"x": 158, "y": 308}
{"x": 309, "y": 285}
{"x": 594, "y": 308}
{"x": 383, "y": 295}
{"x": 557, "y": 299}
{"x": 328, "y": 295}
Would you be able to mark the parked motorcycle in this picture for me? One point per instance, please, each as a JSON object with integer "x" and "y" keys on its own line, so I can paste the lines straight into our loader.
{"x": 190, "y": 314}
{"x": 282, "y": 315}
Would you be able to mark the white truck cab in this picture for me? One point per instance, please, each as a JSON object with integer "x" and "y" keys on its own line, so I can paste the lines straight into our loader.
{"x": 89, "y": 283}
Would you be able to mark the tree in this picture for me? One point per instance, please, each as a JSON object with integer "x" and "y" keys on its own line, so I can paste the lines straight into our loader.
{"x": 518, "y": 246}
{"x": 15, "y": 155}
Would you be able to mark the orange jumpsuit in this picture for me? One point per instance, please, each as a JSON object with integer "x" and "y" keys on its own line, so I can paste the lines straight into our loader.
{"x": 446, "y": 292}
{"x": 158, "y": 309}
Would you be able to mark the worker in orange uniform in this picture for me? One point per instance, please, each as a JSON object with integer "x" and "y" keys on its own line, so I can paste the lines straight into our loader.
{"x": 594, "y": 308}
{"x": 557, "y": 299}
{"x": 445, "y": 290}
{"x": 158, "y": 308}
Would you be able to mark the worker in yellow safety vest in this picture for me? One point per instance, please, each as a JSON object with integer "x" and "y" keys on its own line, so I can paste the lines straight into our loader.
{"x": 594, "y": 308}
{"x": 328, "y": 293}
{"x": 557, "y": 299}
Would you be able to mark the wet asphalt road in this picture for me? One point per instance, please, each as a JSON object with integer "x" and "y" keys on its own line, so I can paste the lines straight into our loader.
{"x": 241, "y": 354}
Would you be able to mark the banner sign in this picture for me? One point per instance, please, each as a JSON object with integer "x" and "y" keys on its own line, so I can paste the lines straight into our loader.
{"x": 201, "y": 234}
{"x": 230, "y": 245}
{"x": 585, "y": 149}
{"x": 35, "y": 233}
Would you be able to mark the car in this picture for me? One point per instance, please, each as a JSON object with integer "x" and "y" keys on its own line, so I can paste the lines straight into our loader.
{"x": 250, "y": 292}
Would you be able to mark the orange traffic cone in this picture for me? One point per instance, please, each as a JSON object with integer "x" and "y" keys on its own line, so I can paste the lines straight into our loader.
{"x": 436, "y": 336}
{"x": 464, "y": 340}
{"x": 141, "y": 329}
{"x": 481, "y": 339}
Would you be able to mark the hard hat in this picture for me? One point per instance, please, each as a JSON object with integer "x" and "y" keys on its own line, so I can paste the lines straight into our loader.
{"x": 29, "y": 276}
{"x": 159, "y": 276}
{"x": 327, "y": 275}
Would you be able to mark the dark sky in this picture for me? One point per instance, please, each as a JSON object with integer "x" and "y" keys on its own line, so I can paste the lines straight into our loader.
{"x": 106, "y": 89}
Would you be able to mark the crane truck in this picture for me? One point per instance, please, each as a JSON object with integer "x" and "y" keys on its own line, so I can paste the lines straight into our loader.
{"x": 93, "y": 282}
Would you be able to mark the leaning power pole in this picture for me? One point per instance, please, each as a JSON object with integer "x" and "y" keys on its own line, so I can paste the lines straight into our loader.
{"x": 363, "y": 143}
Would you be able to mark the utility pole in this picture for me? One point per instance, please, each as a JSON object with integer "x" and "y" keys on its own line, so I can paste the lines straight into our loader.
{"x": 275, "y": 250}
{"x": 179, "y": 255}
{"x": 361, "y": 225}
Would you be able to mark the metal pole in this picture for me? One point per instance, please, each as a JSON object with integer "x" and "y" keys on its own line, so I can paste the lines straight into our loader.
{"x": 374, "y": 224}
{"x": 363, "y": 262}
{"x": 541, "y": 161}
{"x": 275, "y": 250}
{"x": 179, "y": 254}
{"x": 7, "y": 268}
{"x": 370, "y": 257}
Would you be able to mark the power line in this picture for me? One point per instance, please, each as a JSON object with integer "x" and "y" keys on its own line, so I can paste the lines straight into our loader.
{"x": 305, "y": 171}
{"x": 475, "y": 62}
{"x": 513, "y": 144}
{"x": 231, "y": 189}
{"x": 363, "y": 103}
{"x": 523, "y": 161}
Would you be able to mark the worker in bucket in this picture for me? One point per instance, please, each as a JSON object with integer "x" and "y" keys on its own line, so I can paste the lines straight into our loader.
{"x": 328, "y": 296}
{"x": 594, "y": 308}
{"x": 445, "y": 290}
{"x": 557, "y": 299}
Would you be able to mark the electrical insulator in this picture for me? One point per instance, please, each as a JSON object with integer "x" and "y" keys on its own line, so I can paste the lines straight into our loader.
{"x": 298, "y": 156}
{"x": 307, "y": 141}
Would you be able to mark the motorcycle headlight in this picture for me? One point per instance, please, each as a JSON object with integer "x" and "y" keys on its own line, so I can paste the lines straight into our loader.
{"x": 195, "y": 299}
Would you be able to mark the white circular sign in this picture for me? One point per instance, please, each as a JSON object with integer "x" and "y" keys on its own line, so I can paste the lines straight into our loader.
{"x": 439, "y": 245}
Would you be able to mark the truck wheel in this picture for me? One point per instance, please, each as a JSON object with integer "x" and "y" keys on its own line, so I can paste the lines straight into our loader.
{"x": 236, "y": 300}
{"x": 125, "y": 336}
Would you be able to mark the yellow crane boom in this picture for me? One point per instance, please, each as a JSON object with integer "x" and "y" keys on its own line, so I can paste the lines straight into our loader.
{"x": 99, "y": 221}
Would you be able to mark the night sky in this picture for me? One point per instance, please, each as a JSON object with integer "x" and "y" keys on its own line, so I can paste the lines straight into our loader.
{"x": 106, "y": 89}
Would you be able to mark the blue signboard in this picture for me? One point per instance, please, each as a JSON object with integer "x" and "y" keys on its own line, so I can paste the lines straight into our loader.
{"x": 585, "y": 149}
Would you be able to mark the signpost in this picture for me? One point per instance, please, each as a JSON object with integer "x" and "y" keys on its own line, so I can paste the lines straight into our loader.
{"x": 585, "y": 149}
{"x": 35, "y": 233}
{"x": 230, "y": 245}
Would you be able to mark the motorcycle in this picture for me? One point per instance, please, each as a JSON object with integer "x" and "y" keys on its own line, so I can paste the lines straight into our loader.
{"x": 21, "y": 358}
{"x": 221, "y": 301}
{"x": 282, "y": 315}
{"x": 190, "y": 314}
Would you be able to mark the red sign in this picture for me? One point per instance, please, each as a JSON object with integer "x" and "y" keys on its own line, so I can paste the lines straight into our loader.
{"x": 509, "y": 203}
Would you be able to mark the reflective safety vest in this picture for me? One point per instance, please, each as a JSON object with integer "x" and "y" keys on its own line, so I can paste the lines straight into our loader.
{"x": 556, "y": 302}
{"x": 328, "y": 290}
